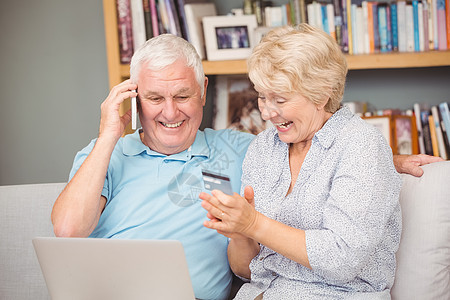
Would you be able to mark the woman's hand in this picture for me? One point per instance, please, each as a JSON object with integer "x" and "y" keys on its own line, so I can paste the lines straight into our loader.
{"x": 232, "y": 216}
{"x": 112, "y": 125}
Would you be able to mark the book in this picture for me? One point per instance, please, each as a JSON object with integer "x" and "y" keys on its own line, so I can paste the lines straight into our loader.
{"x": 125, "y": 31}
{"x": 183, "y": 21}
{"x": 344, "y": 27}
{"x": 382, "y": 28}
{"x": 365, "y": 27}
{"x": 376, "y": 32}
{"x": 445, "y": 134}
{"x": 163, "y": 17}
{"x": 330, "y": 18}
{"x": 447, "y": 15}
{"x": 303, "y": 16}
{"x": 296, "y": 12}
{"x": 147, "y": 19}
{"x": 430, "y": 24}
{"x": 354, "y": 30}
{"x": 311, "y": 14}
{"x": 138, "y": 23}
{"x": 194, "y": 14}
{"x": 426, "y": 36}
{"x": 439, "y": 134}
{"x": 360, "y": 41}
{"x": 417, "y": 109}
{"x": 433, "y": 135}
{"x": 435, "y": 25}
{"x": 415, "y": 7}
{"x": 421, "y": 27}
{"x": 154, "y": 15}
{"x": 394, "y": 26}
{"x": 409, "y": 28}
{"x": 370, "y": 27}
{"x": 174, "y": 19}
{"x": 424, "y": 114}
{"x": 441, "y": 25}
{"x": 349, "y": 26}
{"x": 445, "y": 118}
{"x": 401, "y": 21}
{"x": 389, "y": 27}
{"x": 338, "y": 21}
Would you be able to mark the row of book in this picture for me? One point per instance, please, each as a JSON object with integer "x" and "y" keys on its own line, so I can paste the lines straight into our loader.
{"x": 140, "y": 20}
{"x": 363, "y": 27}
{"x": 433, "y": 129}
{"x": 423, "y": 129}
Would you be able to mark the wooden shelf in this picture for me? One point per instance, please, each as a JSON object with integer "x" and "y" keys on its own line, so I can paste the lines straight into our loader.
{"x": 355, "y": 62}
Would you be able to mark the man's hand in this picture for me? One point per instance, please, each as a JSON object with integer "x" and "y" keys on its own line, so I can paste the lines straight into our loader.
{"x": 112, "y": 125}
{"x": 410, "y": 164}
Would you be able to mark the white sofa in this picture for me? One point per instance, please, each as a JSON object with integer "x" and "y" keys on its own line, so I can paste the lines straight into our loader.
{"x": 423, "y": 269}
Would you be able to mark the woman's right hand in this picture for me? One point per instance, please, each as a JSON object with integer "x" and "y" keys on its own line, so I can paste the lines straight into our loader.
{"x": 112, "y": 125}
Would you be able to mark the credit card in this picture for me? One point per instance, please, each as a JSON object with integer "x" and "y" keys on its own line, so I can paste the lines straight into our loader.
{"x": 213, "y": 181}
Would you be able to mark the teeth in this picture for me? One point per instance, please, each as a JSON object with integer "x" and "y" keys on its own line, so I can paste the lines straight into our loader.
{"x": 283, "y": 125}
{"x": 172, "y": 125}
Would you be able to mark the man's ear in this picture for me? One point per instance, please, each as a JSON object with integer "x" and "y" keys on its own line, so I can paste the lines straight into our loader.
{"x": 205, "y": 88}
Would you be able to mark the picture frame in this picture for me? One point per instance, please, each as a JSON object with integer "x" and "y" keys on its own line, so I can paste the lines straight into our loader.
{"x": 382, "y": 123}
{"x": 229, "y": 37}
{"x": 405, "y": 135}
{"x": 236, "y": 105}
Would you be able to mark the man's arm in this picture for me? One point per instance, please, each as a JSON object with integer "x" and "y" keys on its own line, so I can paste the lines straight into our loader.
{"x": 410, "y": 164}
{"x": 78, "y": 208}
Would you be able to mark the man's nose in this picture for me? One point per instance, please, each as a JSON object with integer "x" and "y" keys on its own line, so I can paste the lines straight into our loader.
{"x": 170, "y": 109}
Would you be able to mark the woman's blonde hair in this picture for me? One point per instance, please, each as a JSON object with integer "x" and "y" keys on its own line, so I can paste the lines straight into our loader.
{"x": 300, "y": 59}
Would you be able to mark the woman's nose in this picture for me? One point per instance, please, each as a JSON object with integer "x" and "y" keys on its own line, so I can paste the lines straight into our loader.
{"x": 268, "y": 110}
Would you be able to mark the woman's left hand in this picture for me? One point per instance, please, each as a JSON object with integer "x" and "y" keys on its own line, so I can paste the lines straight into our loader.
{"x": 232, "y": 216}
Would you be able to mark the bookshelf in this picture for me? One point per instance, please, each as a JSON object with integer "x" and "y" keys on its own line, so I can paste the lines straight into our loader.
{"x": 118, "y": 72}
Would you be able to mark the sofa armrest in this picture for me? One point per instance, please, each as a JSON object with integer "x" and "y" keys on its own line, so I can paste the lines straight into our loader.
{"x": 423, "y": 258}
{"x": 24, "y": 213}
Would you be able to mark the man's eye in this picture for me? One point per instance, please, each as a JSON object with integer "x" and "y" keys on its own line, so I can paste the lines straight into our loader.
{"x": 182, "y": 98}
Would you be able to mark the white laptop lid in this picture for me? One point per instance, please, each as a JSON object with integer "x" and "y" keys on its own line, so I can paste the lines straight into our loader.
{"x": 88, "y": 268}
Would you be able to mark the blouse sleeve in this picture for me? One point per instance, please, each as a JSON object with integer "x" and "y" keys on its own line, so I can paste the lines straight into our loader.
{"x": 361, "y": 213}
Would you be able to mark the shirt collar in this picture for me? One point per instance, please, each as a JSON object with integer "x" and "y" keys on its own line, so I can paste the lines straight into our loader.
{"x": 331, "y": 129}
{"x": 132, "y": 146}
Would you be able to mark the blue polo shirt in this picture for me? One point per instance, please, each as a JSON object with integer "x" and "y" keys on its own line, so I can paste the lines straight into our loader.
{"x": 155, "y": 196}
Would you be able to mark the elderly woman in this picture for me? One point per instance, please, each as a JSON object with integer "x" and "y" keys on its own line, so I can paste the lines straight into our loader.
{"x": 319, "y": 217}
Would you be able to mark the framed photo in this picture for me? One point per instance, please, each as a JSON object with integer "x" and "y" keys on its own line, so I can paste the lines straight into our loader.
{"x": 229, "y": 37}
{"x": 405, "y": 135}
{"x": 382, "y": 123}
{"x": 236, "y": 105}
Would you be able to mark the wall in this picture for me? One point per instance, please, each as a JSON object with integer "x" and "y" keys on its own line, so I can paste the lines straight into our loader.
{"x": 54, "y": 77}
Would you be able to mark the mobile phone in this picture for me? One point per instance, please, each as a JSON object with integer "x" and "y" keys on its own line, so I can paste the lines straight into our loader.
{"x": 133, "y": 112}
{"x": 213, "y": 181}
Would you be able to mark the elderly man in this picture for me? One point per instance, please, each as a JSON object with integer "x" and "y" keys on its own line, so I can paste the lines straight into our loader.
{"x": 146, "y": 185}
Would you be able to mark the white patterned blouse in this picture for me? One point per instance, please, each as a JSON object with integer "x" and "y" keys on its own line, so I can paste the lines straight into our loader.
{"x": 346, "y": 198}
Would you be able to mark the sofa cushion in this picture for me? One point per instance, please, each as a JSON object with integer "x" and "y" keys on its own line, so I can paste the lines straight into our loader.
{"x": 423, "y": 259}
{"x": 24, "y": 213}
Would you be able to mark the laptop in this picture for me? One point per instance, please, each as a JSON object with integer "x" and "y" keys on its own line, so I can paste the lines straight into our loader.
{"x": 90, "y": 268}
